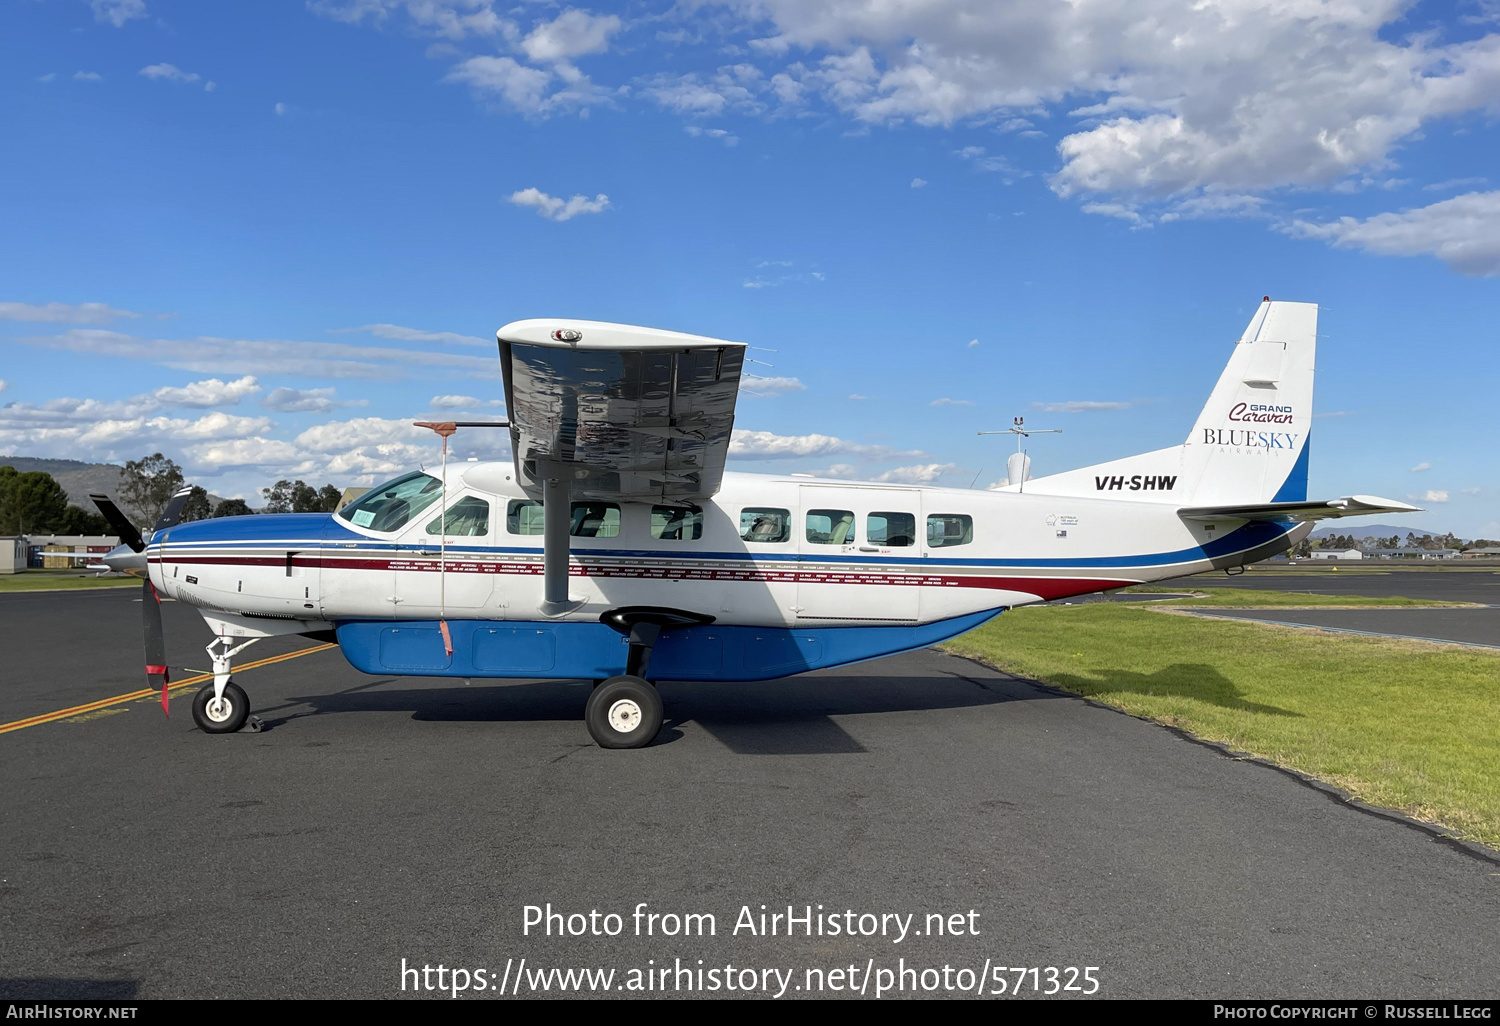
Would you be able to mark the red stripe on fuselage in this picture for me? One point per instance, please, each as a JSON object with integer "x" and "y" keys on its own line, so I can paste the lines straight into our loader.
{"x": 1043, "y": 587}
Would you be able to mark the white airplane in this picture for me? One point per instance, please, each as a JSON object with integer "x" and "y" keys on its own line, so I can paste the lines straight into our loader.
{"x": 615, "y": 547}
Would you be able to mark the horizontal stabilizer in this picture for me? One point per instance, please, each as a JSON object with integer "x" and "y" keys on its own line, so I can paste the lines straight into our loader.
{"x": 1348, "y": 506}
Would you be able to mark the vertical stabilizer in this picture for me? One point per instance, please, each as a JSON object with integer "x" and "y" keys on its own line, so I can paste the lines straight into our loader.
{"x": 1250, "y": 443}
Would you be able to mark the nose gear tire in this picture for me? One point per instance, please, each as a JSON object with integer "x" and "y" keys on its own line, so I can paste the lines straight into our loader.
{"x": 224, "y": 716}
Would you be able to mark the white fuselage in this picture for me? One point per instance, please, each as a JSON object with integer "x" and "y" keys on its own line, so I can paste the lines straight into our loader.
{"x": 1024, "y": 548}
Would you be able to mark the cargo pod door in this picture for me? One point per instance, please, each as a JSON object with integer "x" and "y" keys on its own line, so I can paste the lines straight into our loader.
{"x": 853, "y": 545}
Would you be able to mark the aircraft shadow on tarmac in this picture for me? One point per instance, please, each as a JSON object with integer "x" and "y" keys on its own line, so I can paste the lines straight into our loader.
{"x": 792, "y": 716}
{"x": 1181, "y": 680}
{"x": 46, "y": 988}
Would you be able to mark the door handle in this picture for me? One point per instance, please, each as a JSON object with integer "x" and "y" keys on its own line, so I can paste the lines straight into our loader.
{"x": 868, "y": 548}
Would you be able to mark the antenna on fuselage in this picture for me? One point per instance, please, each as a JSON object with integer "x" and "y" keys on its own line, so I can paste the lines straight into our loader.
{"x": 1018, "y": 466}
{"x": 444, "y": 430}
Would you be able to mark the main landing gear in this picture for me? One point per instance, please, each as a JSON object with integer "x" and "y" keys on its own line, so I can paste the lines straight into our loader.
{"x": 626, "y": 711}
{"x": 222, "y": 707}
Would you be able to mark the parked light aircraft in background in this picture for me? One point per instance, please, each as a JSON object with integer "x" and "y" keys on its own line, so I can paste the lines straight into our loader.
{"x": 615, "y": 547}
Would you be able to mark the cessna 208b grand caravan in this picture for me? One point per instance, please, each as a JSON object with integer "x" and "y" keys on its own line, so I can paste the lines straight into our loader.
{"x": 615, "y": 547}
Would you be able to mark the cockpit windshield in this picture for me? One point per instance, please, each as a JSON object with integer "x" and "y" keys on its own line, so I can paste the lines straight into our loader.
{"x": 390, "y": 506}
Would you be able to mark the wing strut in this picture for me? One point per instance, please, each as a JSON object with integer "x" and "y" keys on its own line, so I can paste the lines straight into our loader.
{"x": 557, "y": 507}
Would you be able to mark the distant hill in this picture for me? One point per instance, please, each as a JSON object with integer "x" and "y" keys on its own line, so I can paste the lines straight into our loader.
{"x": 1373, "y": 530}
{"x": 77, "y": 478}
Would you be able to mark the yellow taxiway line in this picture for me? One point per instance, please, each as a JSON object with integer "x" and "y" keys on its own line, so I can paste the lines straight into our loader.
{"x": 62, "y": 714}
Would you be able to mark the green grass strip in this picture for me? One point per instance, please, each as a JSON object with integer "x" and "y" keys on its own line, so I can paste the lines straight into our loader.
{"x": 1255, "y": 598}
{"x": 48, "y": 582}
{"x": 1405, "y": 725}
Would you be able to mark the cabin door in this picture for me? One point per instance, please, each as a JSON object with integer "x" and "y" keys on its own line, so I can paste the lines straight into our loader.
{"x": 857, "y": 549}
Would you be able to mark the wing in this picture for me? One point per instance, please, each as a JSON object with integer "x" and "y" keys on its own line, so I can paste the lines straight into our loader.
{"x": 628, "y": 413}
{"x": 1348, "y": 506}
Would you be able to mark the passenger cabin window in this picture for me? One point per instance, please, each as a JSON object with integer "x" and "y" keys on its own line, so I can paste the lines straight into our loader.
{"x": 762, "y": 526}
{"x": 469, "y": 517}
{"x": 523, "y": 516}
{"x": 595, "y": 520}
{"x": 891, "y": 529}
{"x": 676, "y": 523}
{"x": 949, "y": 529}
{"x": 389, "y": 507}
{"x": 589, "y": 519}
{"x": 830, "y": 526}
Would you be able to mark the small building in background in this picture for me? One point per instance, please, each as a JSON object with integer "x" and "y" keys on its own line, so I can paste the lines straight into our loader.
{"x": 1336, "y": 554}
{"x": 1485, "y": 553}
{"x": 13, "y": 554}
{"x": 1413, "y": 553}
{"x": 46, "y": 551}
{"x": 350, "y": 494}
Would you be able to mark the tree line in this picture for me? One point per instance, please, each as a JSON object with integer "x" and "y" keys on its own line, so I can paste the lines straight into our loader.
{"x": 1429, "y": 542}
{"x": 32, "y": 502}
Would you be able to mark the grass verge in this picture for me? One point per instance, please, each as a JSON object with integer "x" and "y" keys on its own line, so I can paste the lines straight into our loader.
{"x": 41, "y": 580}
{"x": 1255, "y": 598}
{"x": 1406, "y": 725}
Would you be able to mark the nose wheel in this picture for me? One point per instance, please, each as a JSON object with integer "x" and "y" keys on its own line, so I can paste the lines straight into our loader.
{"x": 623, "y": 712}
{"x": 221, "y": 714}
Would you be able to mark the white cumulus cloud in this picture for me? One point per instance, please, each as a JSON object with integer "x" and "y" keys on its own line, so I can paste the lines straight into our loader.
{"x": 1463, "y": 232}
{"x": 572, "y": 33}
{"x": 756, "y": 383}
{"x": 766, "y": 445}
{"x": 170, "y": 73}
{"x": 117, "y": 12}
{"x": 920, "y": 474}
{"x": 463, "y": 402}
{"x": 210, "y": 392}
{"x": 554, "y": 208}
{"x": 307, "y": 400}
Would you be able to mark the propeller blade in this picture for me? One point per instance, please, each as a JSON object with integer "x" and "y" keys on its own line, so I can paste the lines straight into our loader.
{"x": 156, "y": 642}
{"x": 173, "y": 512}
{"x": 127, "y": 531}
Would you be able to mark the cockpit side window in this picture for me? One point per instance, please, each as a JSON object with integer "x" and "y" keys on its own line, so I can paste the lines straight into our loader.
{"x": 469, "y": 517}
{"x": 389, "y": 507}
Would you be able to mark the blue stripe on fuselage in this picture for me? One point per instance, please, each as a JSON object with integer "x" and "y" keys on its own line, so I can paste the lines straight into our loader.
{"x": 283, "y": 536}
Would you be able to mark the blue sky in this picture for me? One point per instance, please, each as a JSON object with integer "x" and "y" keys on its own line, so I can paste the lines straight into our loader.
{"x": 265, "y": 237}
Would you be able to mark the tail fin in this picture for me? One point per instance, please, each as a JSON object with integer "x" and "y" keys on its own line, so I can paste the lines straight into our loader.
{"x": 1250, "y": 443}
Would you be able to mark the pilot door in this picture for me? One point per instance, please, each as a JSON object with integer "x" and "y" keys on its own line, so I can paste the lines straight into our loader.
{"x": 462, "y": 580}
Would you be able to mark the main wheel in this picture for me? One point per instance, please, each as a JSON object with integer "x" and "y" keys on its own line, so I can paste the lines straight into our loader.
{"x": 222, "y": 716}
{"x": 623, "y": 712}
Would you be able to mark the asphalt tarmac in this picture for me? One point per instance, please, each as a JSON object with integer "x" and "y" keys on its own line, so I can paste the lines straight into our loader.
{"x": 378, "y": 819}
{"x": 1464, "y": 626}
{"x": 1450, "y": 584}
